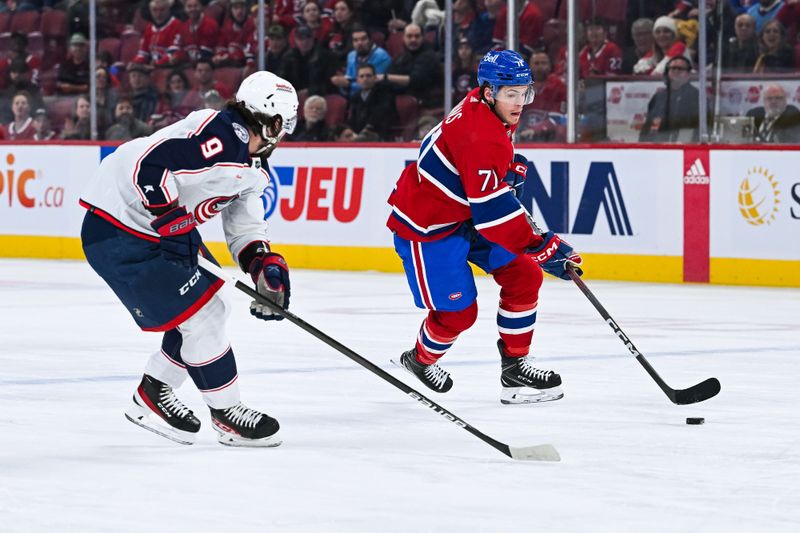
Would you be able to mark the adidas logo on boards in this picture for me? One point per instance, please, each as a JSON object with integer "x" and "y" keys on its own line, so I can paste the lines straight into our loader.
{"x": 696, "y": 175}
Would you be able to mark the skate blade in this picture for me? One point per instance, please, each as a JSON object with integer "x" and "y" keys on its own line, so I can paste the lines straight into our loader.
{"x": 522, "y": 395}
{"x": 228, "y": 439}
{"x": 144, "y": 419}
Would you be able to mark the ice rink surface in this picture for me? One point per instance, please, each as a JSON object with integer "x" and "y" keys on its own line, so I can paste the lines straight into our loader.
{"x": 360, "y": 456}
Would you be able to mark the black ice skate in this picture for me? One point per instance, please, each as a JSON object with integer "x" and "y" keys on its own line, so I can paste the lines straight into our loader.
{"x": 433, "y": 376}
{"x": 156, "y": 408}
{"x": 241, "y": 426}
{"x": 524, "y": 383}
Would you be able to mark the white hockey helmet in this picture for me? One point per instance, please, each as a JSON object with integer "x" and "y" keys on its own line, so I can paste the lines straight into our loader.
{"x": 264, "y": 92}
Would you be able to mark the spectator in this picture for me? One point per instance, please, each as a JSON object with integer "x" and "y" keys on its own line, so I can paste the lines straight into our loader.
{"x": 204, "y": 81}
{"x": 425, "y": 124}
{"x": 481, "y": 28}
{"x": 143, "y": 96}
{"x": 776, "y": 55}
{"x": 41, "y": 125}
{"x": 600, "y": 57}
{"x": 213, "y": 100}
{"x": 198, "y": 36}
{"x": 342, "y": 133}
{"x": 26, "y": 5}
{"x": 764, "y": 11}
{"x": 775, "y": 121}
{"x": 127, "y": 126}
{"x": 21, "y": 126}
{"x": 78, "y": 126}
{"x": 176, "y": 102}
{"x": 741, "y": 53}
{"x": 312, "y": 127}
{"x": 18, "y": 48}
{"x": 364, "y": 51}
{"x": 236, "y": 32}
{"x": 106, "y": 99}
{"x": 309, "y": 66}
{"x": 530, "y": 26}
{"x": 159, "y": 46}
{"x": 320, "y": 26}
{"x": 741, "y": 6}
{"x": 465, "y": 70}
{"x": 284, "y": 13}
{"x": 643, "y": 42}
{"x": 276, "y": 52}
{"x": 674, "y": 109}
{"x": 19, "y": 80}
{"x": 372, "y": 109}
{"x": 340, "y": 38}
{"x": 551, "y": 91}
{"x": 418, "y": 70}
{"x": 73, "y": 73}
{"x": 667, "y": 46}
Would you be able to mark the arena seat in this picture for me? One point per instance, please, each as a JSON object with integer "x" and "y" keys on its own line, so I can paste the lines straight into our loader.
{"x": 54, "y": 23}
{"x": 25, "y": 22}
{"x": 337, "y": 109}
{"x": 230, "y": 77}
{"x": 110, "y": 45}
{"x": 129, "y": 45}
{"x": 5, "y": 21}
{"x": 407, "y": 113}
{"x": 394, "y": 44}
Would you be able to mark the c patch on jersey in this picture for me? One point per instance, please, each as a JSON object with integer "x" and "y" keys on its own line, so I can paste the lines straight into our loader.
{"x": 241, "y": 132}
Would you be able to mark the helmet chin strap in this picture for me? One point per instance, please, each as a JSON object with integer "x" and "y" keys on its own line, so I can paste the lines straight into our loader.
{"x": 272, "y": 142}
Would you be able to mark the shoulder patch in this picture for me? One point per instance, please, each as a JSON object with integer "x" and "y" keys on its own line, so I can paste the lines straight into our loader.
{"x": 241, "y": 132}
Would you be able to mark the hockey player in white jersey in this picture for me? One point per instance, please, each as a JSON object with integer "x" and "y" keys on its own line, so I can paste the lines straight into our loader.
{"x": 140, "y": 235}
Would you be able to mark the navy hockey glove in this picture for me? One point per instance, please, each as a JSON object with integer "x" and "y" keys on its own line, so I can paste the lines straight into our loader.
{"x": 553, "y": 255}
{"x": 515, "y": 177}
{"x": 270, "y": 273}
{"x": 180, "y": 241}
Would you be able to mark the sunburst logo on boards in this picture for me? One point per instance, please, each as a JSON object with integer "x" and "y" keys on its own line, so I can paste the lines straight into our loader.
{"x": 759, "y": 197}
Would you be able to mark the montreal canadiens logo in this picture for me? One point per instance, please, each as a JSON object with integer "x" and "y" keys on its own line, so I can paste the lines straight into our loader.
{"x": 455, "y": 296}
{"x": 209, "y": 208}
{"x": 270, "y": 196}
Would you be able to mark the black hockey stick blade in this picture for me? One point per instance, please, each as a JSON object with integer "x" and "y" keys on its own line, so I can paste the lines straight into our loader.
{"x": 697, "y": 393}
{"x": 542, "y": 452}
{"x": 694, "y": 394}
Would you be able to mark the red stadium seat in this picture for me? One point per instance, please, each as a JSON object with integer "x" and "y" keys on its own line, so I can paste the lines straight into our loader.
{"x": 129, "y": 45}
{"x": 5, "y": 44}
{"x": 337, "y": 109}
{"x": 378, "y": 38}
{"x": 25, "y": 22}
{"x": 139, "y": 22}
{"x": 230, "y": 77}
{"x": 407, "y": 113}
{"x": 36, "y": 43}
{"x": 110, "y": 45}
{"x": 394, "y": 44}
{"x": 47, "y": 81}
{"x": 5, "y": 21}
{"x": 59, "y": 109}
{"x": 54, "y": 23}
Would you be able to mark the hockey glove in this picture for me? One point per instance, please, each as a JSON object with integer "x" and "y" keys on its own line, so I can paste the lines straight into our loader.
{"x": 180, "y": 241}
{"x": 553, "y": 255}
{"x": 515, "y": 177}
{"x": 270, "y": 273}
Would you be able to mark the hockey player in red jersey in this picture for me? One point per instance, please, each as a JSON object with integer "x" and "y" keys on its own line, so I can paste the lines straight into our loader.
{"x": 456, "y": 205}
{"x": 140, "y": 235}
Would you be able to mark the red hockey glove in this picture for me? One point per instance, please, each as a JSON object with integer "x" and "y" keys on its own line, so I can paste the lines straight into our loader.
{"x": 270, "y": 273}
{"x": 553, "y": 255}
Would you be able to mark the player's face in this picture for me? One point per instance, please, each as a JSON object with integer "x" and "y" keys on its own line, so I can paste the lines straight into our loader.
{"x": 509, "y": 102}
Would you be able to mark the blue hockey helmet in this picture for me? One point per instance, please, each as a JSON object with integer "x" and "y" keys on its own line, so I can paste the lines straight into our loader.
{"x": 506, "y": 67}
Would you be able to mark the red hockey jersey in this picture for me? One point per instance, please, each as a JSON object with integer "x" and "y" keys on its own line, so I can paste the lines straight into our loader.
{"x": 607, "y": 60}
{"x": 458, "y": 177}
{"x": 158, "y": 43}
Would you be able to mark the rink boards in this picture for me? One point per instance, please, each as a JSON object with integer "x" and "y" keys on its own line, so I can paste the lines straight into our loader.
{"x": 701, "y": 214}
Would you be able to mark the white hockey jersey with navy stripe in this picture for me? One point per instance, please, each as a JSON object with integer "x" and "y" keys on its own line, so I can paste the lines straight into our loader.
{"x": 202, "y": 161}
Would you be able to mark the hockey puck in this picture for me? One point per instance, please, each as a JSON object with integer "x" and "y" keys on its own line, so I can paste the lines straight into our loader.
{"x": 695, "y": 421}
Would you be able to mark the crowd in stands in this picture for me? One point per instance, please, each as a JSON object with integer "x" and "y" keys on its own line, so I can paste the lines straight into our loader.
{"x": 365, "y": 70}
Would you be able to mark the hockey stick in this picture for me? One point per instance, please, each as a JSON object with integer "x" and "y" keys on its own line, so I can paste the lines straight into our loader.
{"x": 542, "y": 452}
{"x": 694, "y": 394}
